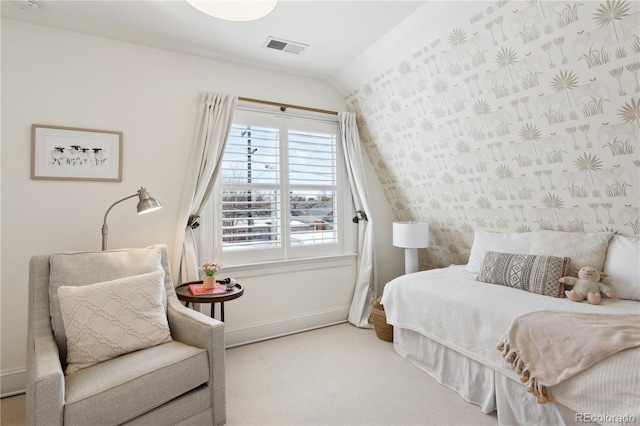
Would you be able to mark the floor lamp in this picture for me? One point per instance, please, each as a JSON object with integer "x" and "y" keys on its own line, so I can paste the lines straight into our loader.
{"x": 411, "y": 236}
{"x": 146, "y": 204}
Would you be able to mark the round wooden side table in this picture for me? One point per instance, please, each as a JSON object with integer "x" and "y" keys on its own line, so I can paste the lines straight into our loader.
{"x": 184, "y": 294}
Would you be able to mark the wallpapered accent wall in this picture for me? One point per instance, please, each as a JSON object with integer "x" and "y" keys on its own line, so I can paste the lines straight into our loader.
{"x": 525, "y": 116}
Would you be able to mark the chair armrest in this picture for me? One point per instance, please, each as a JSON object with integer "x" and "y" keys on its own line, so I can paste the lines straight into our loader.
{"x": 196, "y": 329}
{"x": 45, "y": 389}
{"x": 192, "y": 327}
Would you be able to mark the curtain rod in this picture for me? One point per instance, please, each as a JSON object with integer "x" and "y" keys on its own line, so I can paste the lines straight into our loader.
{"x": 283, "y": 107}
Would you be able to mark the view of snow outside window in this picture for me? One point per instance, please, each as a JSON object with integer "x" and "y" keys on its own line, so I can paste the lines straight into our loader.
{"x": 260, "y": 164}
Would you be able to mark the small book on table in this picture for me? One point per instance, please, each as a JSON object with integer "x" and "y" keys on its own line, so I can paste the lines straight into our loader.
{"x": 198, "y": 289}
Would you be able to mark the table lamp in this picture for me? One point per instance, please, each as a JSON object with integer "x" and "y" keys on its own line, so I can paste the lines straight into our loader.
{"x": 146, "y": 204}
{"x": 411, "y": 236}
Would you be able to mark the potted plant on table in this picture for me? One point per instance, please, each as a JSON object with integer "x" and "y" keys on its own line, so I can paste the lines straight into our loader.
{"x": 210, "y": 270}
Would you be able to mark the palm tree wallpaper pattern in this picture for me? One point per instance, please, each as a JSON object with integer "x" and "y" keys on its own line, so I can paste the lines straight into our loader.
{"x": 526, "y": 117}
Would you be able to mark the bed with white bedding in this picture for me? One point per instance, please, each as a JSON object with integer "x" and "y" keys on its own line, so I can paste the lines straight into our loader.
{"x": 449, "y": 324}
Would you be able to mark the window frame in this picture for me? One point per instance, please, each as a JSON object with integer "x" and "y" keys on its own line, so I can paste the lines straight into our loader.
{"x": 211, "y": 223}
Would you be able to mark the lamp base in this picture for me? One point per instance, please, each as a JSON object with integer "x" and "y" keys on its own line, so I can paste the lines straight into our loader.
{"x": 411, "y": 263}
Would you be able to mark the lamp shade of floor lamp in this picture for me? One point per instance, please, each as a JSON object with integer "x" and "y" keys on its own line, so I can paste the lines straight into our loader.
{"x": 411, "y": 236}
{"x": 146, "y": 204}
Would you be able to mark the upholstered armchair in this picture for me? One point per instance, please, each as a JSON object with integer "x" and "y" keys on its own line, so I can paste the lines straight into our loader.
{"x": 175, "y": 373}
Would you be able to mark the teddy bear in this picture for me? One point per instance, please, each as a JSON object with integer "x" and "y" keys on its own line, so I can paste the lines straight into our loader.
{"x": 587, "y": 286}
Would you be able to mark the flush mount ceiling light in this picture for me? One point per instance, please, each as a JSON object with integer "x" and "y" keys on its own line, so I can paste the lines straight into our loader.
{"x": 235, "y": 10}
{"x": 28, "y": 4}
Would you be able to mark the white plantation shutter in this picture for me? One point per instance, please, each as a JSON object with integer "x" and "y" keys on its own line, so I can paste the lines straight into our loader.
{"x": 251, "y": 188}
{"x": 312, "y": 187}
{"x": 281, "y": 193}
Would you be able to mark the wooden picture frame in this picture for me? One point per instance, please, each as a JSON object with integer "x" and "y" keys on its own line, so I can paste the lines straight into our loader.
{"x": 71, "y": 153}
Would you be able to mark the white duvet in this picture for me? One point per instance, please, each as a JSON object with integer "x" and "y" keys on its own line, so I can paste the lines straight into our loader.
{"x": 449, "y": 306}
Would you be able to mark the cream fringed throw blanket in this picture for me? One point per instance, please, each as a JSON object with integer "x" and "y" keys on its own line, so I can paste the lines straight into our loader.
{"x": 547, "y": 347}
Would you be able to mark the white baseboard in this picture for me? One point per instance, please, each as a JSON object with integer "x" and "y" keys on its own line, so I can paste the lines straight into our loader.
{"x": 256, "y": 332}
{"x": 13, "y": 381}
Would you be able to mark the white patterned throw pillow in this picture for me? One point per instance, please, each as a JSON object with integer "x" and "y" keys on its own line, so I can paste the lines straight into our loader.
{"x": 584, "y": 248}
{"x": 484, "y": 241}
{"x": 83, "y": 268}
{"x": 622, "y": 266}
{"x": 112, "y": 318}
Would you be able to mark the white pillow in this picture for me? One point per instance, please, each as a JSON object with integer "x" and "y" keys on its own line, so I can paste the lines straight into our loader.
{"x": 622, "y": 266}
{"x": 584, "y": 249}
{"x": 483, "y": 241}
{"x": 111, "y": 318}
{"x": 77, "y": 269}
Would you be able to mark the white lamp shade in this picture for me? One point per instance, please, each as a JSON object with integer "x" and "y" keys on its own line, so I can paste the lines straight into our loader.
{"x": 411, "y": 234}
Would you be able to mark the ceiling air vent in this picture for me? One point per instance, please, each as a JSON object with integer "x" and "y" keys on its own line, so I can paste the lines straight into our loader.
{"x": 285, "y": 45}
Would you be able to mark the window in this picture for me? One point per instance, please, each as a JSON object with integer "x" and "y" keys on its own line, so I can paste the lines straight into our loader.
{"x": 280, "y": 194}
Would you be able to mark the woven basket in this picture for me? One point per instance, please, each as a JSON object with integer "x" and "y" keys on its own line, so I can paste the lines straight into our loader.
{"x": 384, "y": 331}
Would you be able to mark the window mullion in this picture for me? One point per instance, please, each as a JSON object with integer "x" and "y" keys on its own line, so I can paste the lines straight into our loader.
{"x": 284, "y": 185}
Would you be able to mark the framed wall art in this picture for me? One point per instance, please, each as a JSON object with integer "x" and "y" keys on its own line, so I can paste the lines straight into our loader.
{"x": 70, "y": 153}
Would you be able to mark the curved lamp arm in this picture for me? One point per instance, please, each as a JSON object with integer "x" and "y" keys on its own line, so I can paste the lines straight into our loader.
{"x": 146, "y": 204}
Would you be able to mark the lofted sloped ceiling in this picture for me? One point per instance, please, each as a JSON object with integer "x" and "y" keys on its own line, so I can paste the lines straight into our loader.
{"x": 335, "y": 31}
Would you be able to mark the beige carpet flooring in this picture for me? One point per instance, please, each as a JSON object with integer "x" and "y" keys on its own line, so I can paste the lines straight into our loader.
{"x": 12, "y": 411}
{"x": 338, "y": 375}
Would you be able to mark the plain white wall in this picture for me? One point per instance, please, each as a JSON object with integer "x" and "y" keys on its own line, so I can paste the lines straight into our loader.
{"x": 62, "y": 78}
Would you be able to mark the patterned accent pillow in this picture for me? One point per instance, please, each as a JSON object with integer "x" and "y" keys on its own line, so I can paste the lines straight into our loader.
{"x": 78, "y": 269}
{"x": 111, "y": 318}
{"x": 536, "y": 274}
